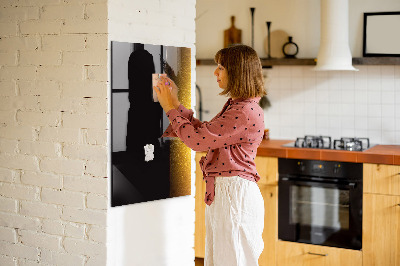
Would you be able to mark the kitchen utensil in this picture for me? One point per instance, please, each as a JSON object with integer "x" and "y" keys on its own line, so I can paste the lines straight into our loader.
{"x": 269, "y": 38}
{"x": 232, "y": 35}
{"x": 252, "y": 9}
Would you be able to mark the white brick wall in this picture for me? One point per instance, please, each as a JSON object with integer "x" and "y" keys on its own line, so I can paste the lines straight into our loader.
{"x": 53, "y": 125}
{"x": 8, "y": 234}
{"x": 75, "y": 230}
{"x": 53, "y": 121}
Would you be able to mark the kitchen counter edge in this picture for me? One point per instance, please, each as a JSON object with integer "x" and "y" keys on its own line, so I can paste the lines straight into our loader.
{"x": 379, "y": 154}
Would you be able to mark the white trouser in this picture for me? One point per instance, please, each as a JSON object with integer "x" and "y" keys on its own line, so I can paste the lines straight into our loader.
{"x": 234, "y": 223}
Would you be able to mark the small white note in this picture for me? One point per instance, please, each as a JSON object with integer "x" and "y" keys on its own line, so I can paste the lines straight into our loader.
{"x": 148, "y": 152}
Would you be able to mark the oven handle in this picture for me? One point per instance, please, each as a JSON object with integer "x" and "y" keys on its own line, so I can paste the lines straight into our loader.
{"x": 329, "y": 184}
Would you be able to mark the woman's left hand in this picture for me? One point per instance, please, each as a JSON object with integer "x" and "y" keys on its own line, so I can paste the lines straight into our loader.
{"x": 163, "y": 90}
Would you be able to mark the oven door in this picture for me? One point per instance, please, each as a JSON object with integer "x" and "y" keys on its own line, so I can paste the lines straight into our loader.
{"x": 321, "y": 212}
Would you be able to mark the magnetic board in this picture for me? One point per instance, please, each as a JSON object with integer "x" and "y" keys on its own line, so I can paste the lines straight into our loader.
{"x": 146, "y": 167}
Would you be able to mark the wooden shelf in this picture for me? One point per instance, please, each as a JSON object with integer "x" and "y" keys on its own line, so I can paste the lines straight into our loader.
{"x": 288, "y": 62}
{"x": 376, "y": 61}
{"x": 312, "y": 61}
{"x": 268, "y": 62}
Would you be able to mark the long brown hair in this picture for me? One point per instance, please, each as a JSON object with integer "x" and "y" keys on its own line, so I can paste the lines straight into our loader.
{"x": 245, "y": 78}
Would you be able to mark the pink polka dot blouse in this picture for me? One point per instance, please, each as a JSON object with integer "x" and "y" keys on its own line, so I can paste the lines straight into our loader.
{"x": 231, "y": 139}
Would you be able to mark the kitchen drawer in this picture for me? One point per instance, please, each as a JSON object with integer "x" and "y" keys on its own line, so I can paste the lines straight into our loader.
{"x": 381, "y": 179}
{"x": 298, "y": 254}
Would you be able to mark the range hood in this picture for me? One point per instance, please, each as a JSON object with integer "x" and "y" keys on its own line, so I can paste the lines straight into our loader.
{"x": 334, "y": 51}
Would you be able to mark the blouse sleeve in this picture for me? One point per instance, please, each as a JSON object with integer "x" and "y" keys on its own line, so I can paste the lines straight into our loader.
{"x": 222, "y": 131}
{"x": 188, "y": 114}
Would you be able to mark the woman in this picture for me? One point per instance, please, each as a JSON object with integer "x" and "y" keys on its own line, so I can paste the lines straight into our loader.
{"x": 235, "y": 207}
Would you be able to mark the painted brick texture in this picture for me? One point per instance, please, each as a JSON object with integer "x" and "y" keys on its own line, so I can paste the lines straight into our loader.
{"x": 53, "y": 132}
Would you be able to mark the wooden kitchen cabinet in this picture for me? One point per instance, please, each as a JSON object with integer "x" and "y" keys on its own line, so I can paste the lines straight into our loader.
{"x": 267, "y": 168}
{"x": 200, "y": 207}
{"x": 381, "y": 215}
{"x": 381, "y": 230}
{"x": 270, "y": 233}
{"x": 298, "y": 254}
{"x": 381, "y": 179}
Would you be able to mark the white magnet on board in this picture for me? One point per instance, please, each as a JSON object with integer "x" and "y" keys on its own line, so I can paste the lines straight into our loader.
{"x": 148, "y": 152}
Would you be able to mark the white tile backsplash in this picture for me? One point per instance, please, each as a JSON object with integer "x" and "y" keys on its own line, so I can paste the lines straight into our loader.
{"x": 374, "y": 110}
{"x": 388, "y": 83}
{"x": 361, "y": 124}
{"x": 397, "y": 95}
{"x": 387, "y": 124}
{"x": 322, "y": 95}
{"x": 322, "y": 108}
{"x": 387, "y": 110}
{"x": 374, "y": 84}
{"x": 361, "y": 110}
{"x": 397, "y": 123}
{"x": 374, "y": 97}
{"x": 347, "y": 110}
{"x": 374, "y": 123}
{"x": 348, "y": 96}
{"x": 364, "y": 103}
{"x": 388, "y": 97}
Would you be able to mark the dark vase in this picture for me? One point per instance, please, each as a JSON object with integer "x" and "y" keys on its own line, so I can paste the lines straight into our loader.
{"x": 290, "y": 49}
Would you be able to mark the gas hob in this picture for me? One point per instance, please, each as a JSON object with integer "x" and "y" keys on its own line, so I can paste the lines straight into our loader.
{"x": 325, "y": 142}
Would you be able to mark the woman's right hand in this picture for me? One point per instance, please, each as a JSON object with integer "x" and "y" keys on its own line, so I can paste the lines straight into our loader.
{"x": 174, "y": 91}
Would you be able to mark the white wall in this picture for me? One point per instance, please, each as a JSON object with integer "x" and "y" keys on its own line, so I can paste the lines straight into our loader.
{"x": 299, "y": 18}
{"x": 338, "y": 104}
{"x": 159, "y": 232}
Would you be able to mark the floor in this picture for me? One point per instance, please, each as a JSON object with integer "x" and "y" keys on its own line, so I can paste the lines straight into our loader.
{"x": 199, "y": 262}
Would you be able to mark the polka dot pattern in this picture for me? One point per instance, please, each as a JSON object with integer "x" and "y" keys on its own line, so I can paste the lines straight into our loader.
{"x": 231, "y": 139}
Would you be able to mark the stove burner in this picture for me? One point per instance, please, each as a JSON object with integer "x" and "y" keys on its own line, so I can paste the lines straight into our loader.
{"x": 324, "y": 142}
{"x": 308, "y": 141}
{"x": 351, "y": 144}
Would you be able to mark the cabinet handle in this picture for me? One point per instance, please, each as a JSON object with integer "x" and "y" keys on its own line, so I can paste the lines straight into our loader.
{"x": 318, "y": 254}
{"x": 398, "y": 204}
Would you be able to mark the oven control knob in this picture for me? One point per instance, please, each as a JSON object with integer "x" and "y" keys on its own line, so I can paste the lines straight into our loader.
{"x": 336, "y": 169}
{"x": 302, "y": 167}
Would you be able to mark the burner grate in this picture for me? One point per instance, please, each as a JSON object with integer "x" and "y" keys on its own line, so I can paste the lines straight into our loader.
{"x": 320, "y": 142}
{"x": 324, "y": 142}
{"x": 351, "y": 144}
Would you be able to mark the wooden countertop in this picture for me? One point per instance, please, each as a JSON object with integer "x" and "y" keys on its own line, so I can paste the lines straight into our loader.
{"x": 379, "y": 154}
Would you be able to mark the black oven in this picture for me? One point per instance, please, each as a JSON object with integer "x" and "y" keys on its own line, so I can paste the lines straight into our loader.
{"x": 320, "y": 202}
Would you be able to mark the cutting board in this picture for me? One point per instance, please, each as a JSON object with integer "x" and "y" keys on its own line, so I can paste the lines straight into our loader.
{"x": 232, "y": 35}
